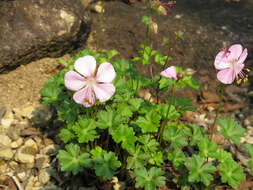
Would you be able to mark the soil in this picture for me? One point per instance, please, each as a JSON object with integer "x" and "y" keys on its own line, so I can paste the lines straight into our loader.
{"x": 205, "y": 26}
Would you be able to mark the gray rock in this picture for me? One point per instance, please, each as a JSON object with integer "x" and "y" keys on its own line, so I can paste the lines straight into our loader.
{"x": 41, "y": 116}
{"x": 33, "y": 29}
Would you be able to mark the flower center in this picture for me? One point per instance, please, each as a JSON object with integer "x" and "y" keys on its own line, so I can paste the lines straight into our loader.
{"x": 91, "y": 81}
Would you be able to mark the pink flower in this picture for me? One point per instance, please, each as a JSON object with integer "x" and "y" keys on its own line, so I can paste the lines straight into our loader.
{"x": 170, "y": 72}
{"x": 230, "y": 64}
{"x": 163, "y": 7}
{"x": 90, "y": 83}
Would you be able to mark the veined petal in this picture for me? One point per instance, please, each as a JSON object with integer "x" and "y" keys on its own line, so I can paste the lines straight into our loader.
{"x": 243, "y": 56}
{"x": 104, "y": 92}
{"x": 226, "y": 76}
{"x": 74, "y": 81}
{"x": 221, "y": 61}
{"x": 235, "y": 52}
{"x": 86, "y": 65}
{"x": 238, "y": 68}
{"x": 85, "y": 97}
{"x": 105, "y": 73}
{"x": 170, "y": 72}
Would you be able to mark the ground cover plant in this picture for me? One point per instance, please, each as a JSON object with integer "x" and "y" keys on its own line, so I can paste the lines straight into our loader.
{"x": 121, "y": 123}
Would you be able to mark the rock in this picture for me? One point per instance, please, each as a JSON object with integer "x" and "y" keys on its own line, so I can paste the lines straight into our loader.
{"x": 98, "y": 7}
{"x": 6, "y": 153}
{"x": 5, "y": 141}
{"x": 248, "y": 120}
{"x": 42, "y": 161}
{"x": 43, "y": 176}
{"x": 14, "y": 132}
{"x": 23, "y": 157}
{"x": 17, "y": 143}
{"x": 2, "y": 112}
{"x": 26, "y": 153}
{"x": 31, "y": 183}
{"x": 22, "y": 175}
{"x": 39, "y": 29}
{"x": 13, "y": 165}
{"x": 24, "y": 112}
{"x": 3, "y": 167}
{"x": 31, "y": 144}
{"x": 8, "y": 119}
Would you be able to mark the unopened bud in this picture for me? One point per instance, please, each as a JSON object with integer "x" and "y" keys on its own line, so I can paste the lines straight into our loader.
{"x": 154, "y": 27}
{"x": 180, "y": 76}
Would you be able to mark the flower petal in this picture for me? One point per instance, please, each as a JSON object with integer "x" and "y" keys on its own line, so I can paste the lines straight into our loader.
{"x": 238, "y": 68}
{"x": 221, "y": 61}
{"x": 243, "y": 56}
{"x": 104, "y": 92}
{"x": 106, "y": 73}
{"x": 235, "y": 52}
{"x": 86, "y": 65}
{"x": 170, "y": 72}
{"x": 74, "y": 81}
{"x": 85, "y": 97}
{"x": 226, "y": 76}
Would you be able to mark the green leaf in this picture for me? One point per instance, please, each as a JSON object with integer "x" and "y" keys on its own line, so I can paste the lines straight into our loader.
{"x": 68, "y": 111}
{"x": 184, "y": 104}
{"x": 172, "y": 114}
{"x": 223, "y": 156}
{"x": 191, "y": 82}
{"x": 73, "y": 160}
{"x": 199, "y": 171}
{"x": 250, "y": 165}
{"x": 124, "y": 110}
{"x": 137, "y": 158}
{"x": 231, "y": 129}
{"x": 166, "y": 83}
{"x": 111, "y": 53}
{"x": 249, "y": 149}
{"x": 149, "y": 143}
{"x": 108, "y": 119}
{"x": 177, "y": 157}
{"x": 207, "y": 148}
{"x": 156, "y": 158}
{"x": 197, "y": 134}
{"x": 66, "y": 135}
{"x": 149, "y": 179}
{"x": 149, "y": 123}
{"x": 231, "y": 173}
{"x": 135, "y": 103}
{"x": 105, "y": 163}
{"x": 85, "y": 130}
{"x": 174, "y": 135}
{"x": 53, "y": 88}
{"x": 125, "y": 135}
{"x": 145, "y": 20}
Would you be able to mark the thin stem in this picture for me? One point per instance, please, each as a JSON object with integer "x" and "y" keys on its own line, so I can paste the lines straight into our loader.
{"x": 217, "y": 111}
{"x": 173, "y": 89}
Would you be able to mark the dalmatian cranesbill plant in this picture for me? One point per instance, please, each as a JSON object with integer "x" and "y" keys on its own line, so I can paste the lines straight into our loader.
{"x": 111, "y": 130}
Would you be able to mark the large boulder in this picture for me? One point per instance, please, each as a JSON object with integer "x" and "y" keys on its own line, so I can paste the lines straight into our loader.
{"x": 33, "y": 29}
